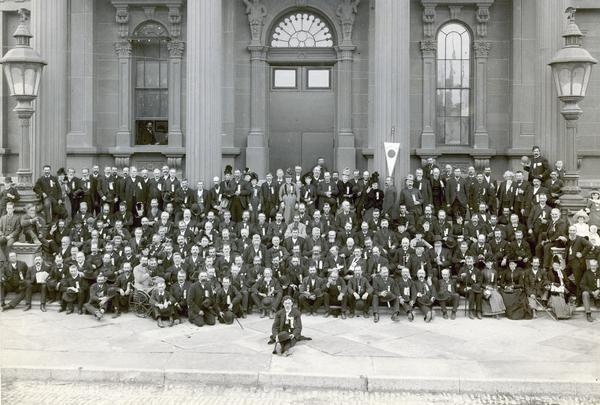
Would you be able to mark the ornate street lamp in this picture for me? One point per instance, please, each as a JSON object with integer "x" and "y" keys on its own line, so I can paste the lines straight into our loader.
{"x": 571, "y": 68}
{"x": 23, "y": 69}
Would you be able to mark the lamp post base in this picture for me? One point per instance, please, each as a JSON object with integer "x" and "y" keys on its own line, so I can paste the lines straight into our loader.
{"x": 571, "y": 200}
{"x": 25, "y": 187}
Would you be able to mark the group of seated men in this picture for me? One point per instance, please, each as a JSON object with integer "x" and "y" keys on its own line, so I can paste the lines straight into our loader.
{"x": 216, "y": 254}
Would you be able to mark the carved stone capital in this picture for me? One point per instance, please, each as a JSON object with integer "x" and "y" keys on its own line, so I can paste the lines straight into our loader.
{"x": 123, "y": 49}
{"x": 428, "y": 48}
{"x": 175, "y": 21}
{"x": 482, "y": 48}
{"x": 483, "y": 16}
{"x": 174, "y": 162}
{"x": 346, "y": 12}
{"x": 176, "y": 48}
{"x": 428, "y": 21}
{"x": 257, "y": 12}
{"x": 481, "y": 162}
{"x": 122, "y": 161}
{"x": 345, "y": 53}
{"x": 258, "y": 52}
{"x": 122, "y": 19}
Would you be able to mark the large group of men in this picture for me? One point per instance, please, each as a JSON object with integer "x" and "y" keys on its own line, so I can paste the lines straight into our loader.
{"x": 343, "y": 242}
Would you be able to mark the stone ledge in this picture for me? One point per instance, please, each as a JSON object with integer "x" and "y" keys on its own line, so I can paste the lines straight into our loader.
{"x": 373, "y": 383}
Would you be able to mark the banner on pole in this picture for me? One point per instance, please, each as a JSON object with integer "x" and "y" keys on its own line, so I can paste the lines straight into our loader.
{"x": 391, "y": 155}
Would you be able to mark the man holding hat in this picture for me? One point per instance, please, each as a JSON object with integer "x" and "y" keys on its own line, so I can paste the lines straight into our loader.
{"x": 360, "y": 293}
{"x": 287, "y": 328}
{"x": 161, "y": 302}
{"x": 72, "y": 291}
{"x": 202, "y": 305}
{"x": 229, "y": 302}
{"x": 99, "y": 298}
{"x": 266, "y": 294}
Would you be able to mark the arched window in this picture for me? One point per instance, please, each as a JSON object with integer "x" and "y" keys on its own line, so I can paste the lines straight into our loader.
{"x": 302, "y": 30}
{"x": 453, "y": 96}
{"x": 151, "y": 111}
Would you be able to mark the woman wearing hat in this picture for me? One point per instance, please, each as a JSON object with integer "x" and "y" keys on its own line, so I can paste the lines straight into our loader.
{"x": 492, "y": 303}
{"x": 289, "y": 198}
{"x": 561, "y": 289}
{"x": 593, "y": 208}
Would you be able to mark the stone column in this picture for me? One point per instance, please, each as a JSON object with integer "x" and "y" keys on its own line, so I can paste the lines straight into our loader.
{"x": 203, "y": 113}
{"x": 481, "y": 46}
{"x": 391, "y": 85}
{"x": 550, "y": 127}
{"x": 81, "y": 62}
{"x": 428, "y": 53}
{"x": 50, "y": 26}
{"x": 257, "y": 151}
{"x": 482, "y": 50}
{"x": 345, "y": 151}
{"x": 125, "y": 92}
{"x": 125, "y": 102}
{"x": 176, "y": 48}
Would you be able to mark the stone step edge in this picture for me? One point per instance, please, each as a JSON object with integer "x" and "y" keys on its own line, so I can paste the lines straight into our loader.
{"x": 266, "y": 379}
{"x": 35, "y": 301}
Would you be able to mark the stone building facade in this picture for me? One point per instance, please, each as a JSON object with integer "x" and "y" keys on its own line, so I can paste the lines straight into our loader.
{"x": 263, "y": 84}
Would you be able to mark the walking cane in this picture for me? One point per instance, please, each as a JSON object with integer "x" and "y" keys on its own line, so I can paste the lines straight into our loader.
{"x": 545, "y": 309}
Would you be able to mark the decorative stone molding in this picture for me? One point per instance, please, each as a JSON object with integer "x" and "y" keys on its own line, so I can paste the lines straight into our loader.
{"x": 455, "y": 12}
{"x": 256, "y": 18}
{"x": 481, "y": 162}
{"x": 122, "y": 161}
{"x": 174, "y": 162}
{"x": 483, "y": 16}
{"x": 428, "y": 48}
{"x": 123, "y": 49}
{"x": 176, "y": 48}
{"x": 175, "y": 21}
{"x": 346, "y": 12}
{"x": 149, "y": 12}
{"x": 482, "y": 48}
{"x": 429, "y": 21}
{"x": 122, "y": 18}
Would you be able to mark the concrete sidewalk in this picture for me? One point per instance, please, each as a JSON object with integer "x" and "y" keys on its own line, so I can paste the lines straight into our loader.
{"x": 444, "y": 356}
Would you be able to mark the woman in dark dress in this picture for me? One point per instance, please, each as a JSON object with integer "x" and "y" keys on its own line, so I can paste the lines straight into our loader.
{"x": 512, "y": 283}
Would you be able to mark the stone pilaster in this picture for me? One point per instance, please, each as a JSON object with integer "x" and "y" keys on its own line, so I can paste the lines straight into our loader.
{"x": 482, "y": 50}
{"x": 345, "y": 151}
{"x": 176, "y": 49}
{"x": 81, "y": 63}
{"x": 49, "y": 28}
{"x": 428, "y": 52}
{"x": 257, "y": 151}
{"x": 391, "y": 85}
{"x": 203, "y": 114}
{"x": 125, "y": 101}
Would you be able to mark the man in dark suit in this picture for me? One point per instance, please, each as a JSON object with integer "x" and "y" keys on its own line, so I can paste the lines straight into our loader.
{"x": 99, "y": 299}
{"x": 311, "y": 294}
{"x": 447, "y": 294}
{"x": 456, "y": 195}
{"x": 12, "y": 279}
{"x": 179, "y": 292}
{"x": 385, "y": 290}
{"x": 48, "y": 190}
{"x": 238, "y": 193}
{"x": 576, "y": 251}
{"x": 537, "y": 166}
{"x": 471, "y": 281}
{"x": 10, "y": 227}
{"x": 229, "y": 301}
{"x": 287, "y": 327}
{"x": 590, "y": 287}
{"x": 36, "y": 282}
{"x": 270, "y": 199}
{"x": 555, "y": 236}
{"x": 202, "y": 305}
{"x": 266, "y": 294}
{"x": 536, "y": 285}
